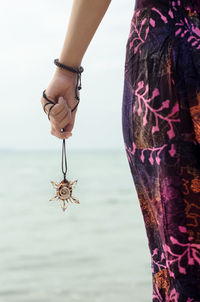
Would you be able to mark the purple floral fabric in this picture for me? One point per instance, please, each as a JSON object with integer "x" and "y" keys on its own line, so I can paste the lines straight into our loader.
{"x": 161, "y": 130}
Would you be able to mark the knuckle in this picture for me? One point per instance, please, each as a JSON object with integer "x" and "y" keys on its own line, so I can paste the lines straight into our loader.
{"x": 57, "y": 127}
{"x": 66, "y": 116}
{"x": 67, "y": 119}
{"x": 65, "y": 122}
{"x": 56, "y": 124}
{"x": 57, "y": 109}
{"x": 59, "y": 117}
{"x": 61, "y": 105}
{"x": 53, "y": 111}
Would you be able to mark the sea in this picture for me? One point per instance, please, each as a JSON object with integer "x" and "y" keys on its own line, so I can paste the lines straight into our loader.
{"x": 95, "y": 251}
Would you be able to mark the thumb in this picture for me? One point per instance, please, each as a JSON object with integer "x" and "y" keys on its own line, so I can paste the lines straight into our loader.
{"x": 61, "y": 100}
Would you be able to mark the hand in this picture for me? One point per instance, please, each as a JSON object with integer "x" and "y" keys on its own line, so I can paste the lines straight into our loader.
{"x": 61, "y": 90}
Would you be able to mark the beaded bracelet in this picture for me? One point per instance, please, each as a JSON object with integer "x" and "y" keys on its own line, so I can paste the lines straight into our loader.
{"x": 72, "y": 69}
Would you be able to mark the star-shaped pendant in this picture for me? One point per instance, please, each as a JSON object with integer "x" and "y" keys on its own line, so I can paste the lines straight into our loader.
{"x": 64, "y": 192}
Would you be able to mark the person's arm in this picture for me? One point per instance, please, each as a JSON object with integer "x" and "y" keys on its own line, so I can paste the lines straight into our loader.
{"x": 85, "y": 17}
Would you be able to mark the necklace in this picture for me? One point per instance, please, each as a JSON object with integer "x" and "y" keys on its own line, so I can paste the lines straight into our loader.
{"x": 65, "y": 187}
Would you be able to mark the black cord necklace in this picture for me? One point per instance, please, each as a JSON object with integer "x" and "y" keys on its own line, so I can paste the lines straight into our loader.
{"x": 64, "y": 162}
{"x": 64, "y": 188}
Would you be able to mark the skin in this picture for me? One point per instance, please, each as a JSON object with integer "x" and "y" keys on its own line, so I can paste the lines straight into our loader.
{"x": 85, "y": 17}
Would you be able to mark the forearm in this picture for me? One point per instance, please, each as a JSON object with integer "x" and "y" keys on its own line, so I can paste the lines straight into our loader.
{"x": 85, "y": 18}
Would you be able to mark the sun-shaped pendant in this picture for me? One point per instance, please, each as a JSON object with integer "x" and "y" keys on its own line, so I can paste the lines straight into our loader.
{"x": 64, "y": 192}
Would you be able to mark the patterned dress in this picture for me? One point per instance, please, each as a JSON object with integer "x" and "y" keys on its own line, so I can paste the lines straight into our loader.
{"x": 161, "y": 131}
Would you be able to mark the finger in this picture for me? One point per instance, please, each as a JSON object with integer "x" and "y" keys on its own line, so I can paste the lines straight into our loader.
{"x": 58, "y": 113}
{"x": 69, "y": 126}
{"x": 61, "y": 135}
{"x": 72, "y": 103}
{"x": 45, "y": 104}
{"x": 58, "y": 125}
{"x": 65, "y": 121}
{"x": 59, "y": 107}
{"x": 60, "y": 116}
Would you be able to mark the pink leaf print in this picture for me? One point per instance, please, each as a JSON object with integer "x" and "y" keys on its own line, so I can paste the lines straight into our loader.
{"x": 138, "y": 33}
{"x": 151, "y": 159}
{"x": 172, "y": 151}
{"x": 130, "y": 151}
{"x": 142, "y": 99}
{"x": 166, "y": 104}
{"x": 152, "y": 150}
{"x": 142, "y": 156}
{"x": 184, "y": 28}
{"x": 182, "y": 229}
{"x": 189, "y": 250}
{"x": 154, "y": 129}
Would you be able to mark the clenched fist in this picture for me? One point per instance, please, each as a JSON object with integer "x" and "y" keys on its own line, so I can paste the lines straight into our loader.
{"x": 61, "y": 91}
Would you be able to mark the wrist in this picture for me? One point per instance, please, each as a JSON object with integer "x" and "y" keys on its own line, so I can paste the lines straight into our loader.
{"x": 66, "y": 73}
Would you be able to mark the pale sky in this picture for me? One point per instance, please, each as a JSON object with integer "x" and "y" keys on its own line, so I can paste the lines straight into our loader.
{"x": 32, "y": 34}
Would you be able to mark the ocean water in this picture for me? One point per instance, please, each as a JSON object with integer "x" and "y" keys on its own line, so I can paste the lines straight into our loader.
{"x": 95, "y": 251}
